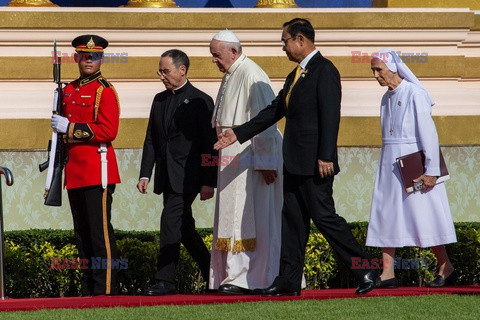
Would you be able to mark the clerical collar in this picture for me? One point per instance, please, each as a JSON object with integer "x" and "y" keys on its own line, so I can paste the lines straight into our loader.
{"x": 179, "y": 89}
{"x": 305, "y": 61}
{"x": 85, "y": 80}
{"x": 236, "y": 64}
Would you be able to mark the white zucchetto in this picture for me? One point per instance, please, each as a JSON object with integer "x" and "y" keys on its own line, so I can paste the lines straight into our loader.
{"x": 226, "y": 36}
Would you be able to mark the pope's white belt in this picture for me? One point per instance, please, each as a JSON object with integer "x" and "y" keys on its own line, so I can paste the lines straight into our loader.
{"x": 103, "y": 160}
{"x": 399, "y": 140}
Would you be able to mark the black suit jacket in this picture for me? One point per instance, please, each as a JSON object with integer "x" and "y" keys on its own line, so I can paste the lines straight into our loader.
{"x": 176, "y": 139}
{"x": 312, "y": 118}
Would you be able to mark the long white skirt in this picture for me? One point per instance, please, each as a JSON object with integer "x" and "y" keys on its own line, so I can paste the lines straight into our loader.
{"x": 398, "y": 219}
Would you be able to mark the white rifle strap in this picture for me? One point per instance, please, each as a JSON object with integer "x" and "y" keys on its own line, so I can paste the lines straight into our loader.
{"x": 103, "y": 146}
{"x": 103, "y": 160}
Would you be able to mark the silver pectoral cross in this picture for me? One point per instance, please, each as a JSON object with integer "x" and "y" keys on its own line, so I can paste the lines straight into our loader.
{"x": 392, "y": 116}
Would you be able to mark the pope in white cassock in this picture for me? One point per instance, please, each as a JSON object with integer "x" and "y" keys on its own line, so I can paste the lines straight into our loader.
{"x": 247, "y": 224}
{"x": 421, "y": 218}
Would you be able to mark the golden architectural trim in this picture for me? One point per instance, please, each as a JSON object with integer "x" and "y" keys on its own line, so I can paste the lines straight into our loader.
{"x": 31, "y": 3}
{"x": 354, "y": 131}
{"x": 452, "y": 130}
{"x": 276, "y": 4}
{"x": 144, "y": 68}
{"x": 471, "y": 4}
{"x": 152, "y": 4}
{"x": 272, "y": 20}
{"x": 472, "y": 68}
{"x": 476, "y": 25}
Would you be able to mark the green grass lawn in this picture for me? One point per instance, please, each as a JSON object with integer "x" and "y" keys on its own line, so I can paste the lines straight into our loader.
{"x": 385, "y": 308}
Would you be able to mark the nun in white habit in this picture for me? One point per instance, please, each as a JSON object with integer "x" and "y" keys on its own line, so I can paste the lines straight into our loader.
{"x": 421, "y": 218}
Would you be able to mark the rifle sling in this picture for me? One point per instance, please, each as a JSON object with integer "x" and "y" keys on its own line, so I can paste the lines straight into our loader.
{"x": 103, "y": 146}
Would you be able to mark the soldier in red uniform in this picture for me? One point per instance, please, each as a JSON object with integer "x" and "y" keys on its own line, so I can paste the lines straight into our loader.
{"x": 90, "y": 118}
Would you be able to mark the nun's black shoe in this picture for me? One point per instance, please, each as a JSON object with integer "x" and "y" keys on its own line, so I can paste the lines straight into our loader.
{"x": 440, "y": 281}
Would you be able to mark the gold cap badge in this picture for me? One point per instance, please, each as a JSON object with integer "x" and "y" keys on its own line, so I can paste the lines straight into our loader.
{"x": 90, "y": 43}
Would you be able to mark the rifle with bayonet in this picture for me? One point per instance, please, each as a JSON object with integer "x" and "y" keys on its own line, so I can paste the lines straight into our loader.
{"x": 56, "y": 147}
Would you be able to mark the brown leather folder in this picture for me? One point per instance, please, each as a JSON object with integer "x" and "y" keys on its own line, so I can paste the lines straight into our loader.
{"x": 412, "y": 166}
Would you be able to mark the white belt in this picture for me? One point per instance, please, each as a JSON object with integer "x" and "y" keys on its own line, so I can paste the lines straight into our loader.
{"x": 103, "y": 159}
{"x": 399, "y": 140}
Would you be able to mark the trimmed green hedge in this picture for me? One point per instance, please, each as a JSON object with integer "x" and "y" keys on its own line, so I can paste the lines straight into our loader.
{"x": 29, "y": 253}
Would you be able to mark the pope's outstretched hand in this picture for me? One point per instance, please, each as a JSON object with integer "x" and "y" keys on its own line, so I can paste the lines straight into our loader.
{"x": 225, "y": 139}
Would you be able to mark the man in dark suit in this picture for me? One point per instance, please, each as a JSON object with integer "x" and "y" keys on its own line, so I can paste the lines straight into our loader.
{"x": 310, "y": 102}
{"x": 179, "y": 132}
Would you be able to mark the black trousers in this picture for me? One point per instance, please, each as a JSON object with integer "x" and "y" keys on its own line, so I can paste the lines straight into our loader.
{"x": 305, "y": 198}
{"x": 178, "y": 226}
{"x": 91, "y": 211}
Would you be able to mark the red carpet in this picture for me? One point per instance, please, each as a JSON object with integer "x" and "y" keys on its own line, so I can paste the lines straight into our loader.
{"x": 190, "y": 299}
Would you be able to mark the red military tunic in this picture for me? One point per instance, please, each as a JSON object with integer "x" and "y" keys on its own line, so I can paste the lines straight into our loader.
{"x": 91, "y": 105}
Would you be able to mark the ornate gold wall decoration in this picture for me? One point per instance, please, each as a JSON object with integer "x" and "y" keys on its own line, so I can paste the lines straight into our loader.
{"x": 31, "y": 3}
{"x": 471, "y": 4}
{"x": 152, "y": 4}
{"x": 276, "y": 4}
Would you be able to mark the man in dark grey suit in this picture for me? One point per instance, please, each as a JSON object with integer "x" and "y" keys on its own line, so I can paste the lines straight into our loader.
{"x": 179, "y": 134}
{"x": 310, "y": 102}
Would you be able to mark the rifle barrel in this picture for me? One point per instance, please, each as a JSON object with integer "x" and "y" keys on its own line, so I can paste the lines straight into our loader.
{"x": 56, "y": 72}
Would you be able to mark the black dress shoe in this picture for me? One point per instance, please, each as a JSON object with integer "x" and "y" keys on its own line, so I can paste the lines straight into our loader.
{"x": 210, "y": 291}
{"x": 391, "y": 283}
{"x": 275, "y": 291}
{"x": 161, "y": 288}
{"x": 233, "y": 289}
{"x": 367, "y": 283}
{"x": 439, "y": 281}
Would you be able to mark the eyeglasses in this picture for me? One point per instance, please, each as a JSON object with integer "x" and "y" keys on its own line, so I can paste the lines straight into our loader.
{"x": 163, "y": 72}
{"x": 285, "y": 41}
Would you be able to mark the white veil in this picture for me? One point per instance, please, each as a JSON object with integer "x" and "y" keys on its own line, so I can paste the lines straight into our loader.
{"x": 395, "y": 64}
